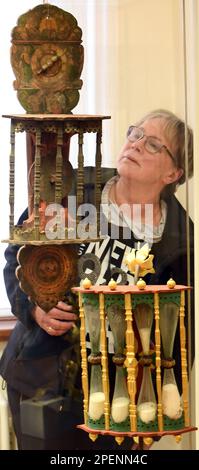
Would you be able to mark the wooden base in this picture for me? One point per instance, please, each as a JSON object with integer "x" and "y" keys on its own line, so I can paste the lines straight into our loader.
{"x": 104, "y": 432}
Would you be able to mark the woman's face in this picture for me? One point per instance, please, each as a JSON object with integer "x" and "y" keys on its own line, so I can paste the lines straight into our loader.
{"x": 139, "y": 165}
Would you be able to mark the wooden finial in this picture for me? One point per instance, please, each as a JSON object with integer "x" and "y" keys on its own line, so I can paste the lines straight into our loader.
{"x": 93, "y": 437}
{"x": 119, "y": 440}
{"x": 86, "y": 283}
{"x": 112, "y": 284}
{"x": 171, "y": 283}
{"x": 148, "y": 441}
{"x": 141, "y": 284}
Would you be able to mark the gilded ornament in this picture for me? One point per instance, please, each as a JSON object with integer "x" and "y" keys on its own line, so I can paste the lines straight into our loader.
{"x": 92, "y": 436}
{"x": 141, "y": 284}
{"x": 171, "y": 283}
{"x": 112, "y": 284}
{"x": 86, "y": 284}
{"x": 119, "y": 440}
{"x": 148, "y": 441}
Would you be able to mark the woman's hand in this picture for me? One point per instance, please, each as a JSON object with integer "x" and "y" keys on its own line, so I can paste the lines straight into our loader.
{"x": 57, "y": 321}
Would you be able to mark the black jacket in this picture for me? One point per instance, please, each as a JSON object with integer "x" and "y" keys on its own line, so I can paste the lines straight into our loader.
{"x": 31, "y": 357}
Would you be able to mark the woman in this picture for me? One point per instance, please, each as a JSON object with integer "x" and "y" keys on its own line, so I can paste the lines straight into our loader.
{"x": 150, "y": 166}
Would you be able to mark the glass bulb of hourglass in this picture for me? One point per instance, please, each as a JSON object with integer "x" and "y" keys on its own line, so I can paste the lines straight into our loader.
{"x": 93, "y": 325}
{"x": 144, "y": 318}
{"x": 120, "y": 403}
{"x": 171, "y": 400}
{"x": 117, "y": 323}
{"x": 146, "y": 406}
{"x": 96, "y": 397}
{"x": 168, "y": 324}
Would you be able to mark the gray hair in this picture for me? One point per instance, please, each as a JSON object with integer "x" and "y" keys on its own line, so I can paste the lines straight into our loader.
{"x": 174, "y": 129}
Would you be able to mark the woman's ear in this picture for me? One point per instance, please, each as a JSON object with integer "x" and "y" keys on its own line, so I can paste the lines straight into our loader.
{"x": 174, "y": 176}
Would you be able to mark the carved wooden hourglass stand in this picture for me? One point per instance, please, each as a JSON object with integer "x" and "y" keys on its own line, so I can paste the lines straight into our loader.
{"x": 153, "y": 417}
{"x": 146, "y": 405}
{"x": 48, "y": 257}
{"x": 47, "y": 58}
{"x": 171, "y": 401}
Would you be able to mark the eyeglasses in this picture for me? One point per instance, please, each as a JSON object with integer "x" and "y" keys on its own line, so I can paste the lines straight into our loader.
{"x": 151, "y": 144}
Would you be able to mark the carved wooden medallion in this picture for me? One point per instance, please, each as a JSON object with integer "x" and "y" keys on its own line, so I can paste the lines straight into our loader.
{"x": 47, "y": 272}
{"x": 47, "y": 60}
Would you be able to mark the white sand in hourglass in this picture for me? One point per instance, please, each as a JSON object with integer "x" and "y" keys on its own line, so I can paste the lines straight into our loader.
{"x": 171, "y": 401}
{"x": 96, "y": 405}
{"x": 147, "y": 411}
{"x": 120, "y": 409}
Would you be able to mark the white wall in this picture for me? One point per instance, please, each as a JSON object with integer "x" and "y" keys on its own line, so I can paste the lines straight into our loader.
{"x": 192, "y": 11}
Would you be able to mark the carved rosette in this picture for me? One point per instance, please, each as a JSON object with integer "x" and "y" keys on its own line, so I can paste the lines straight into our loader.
{"x": 46, "y": 273}
{"x": 47, "y": 59}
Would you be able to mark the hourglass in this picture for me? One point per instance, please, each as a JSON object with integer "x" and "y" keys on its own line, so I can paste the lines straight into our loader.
{"x": 146, "y": 405}
{"x": 159, "y": 410}
{"x": 171, "y": 401}
{"x": 96, "y": 395}
{"x": 120, "y": 402}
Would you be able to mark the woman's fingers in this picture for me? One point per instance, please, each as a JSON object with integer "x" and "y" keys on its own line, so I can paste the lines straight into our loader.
{"x": 63, "y": 306}
{"x": 61, "y": 315}
{"x": 57, "y": 321}
{"x": 52, "y": 331}
{"x": 58, "y": 324}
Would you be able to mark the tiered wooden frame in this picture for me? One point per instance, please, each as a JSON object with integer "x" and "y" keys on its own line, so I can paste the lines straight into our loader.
{"x": 39, "y": 254}
{"x": 59, "y": 124}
